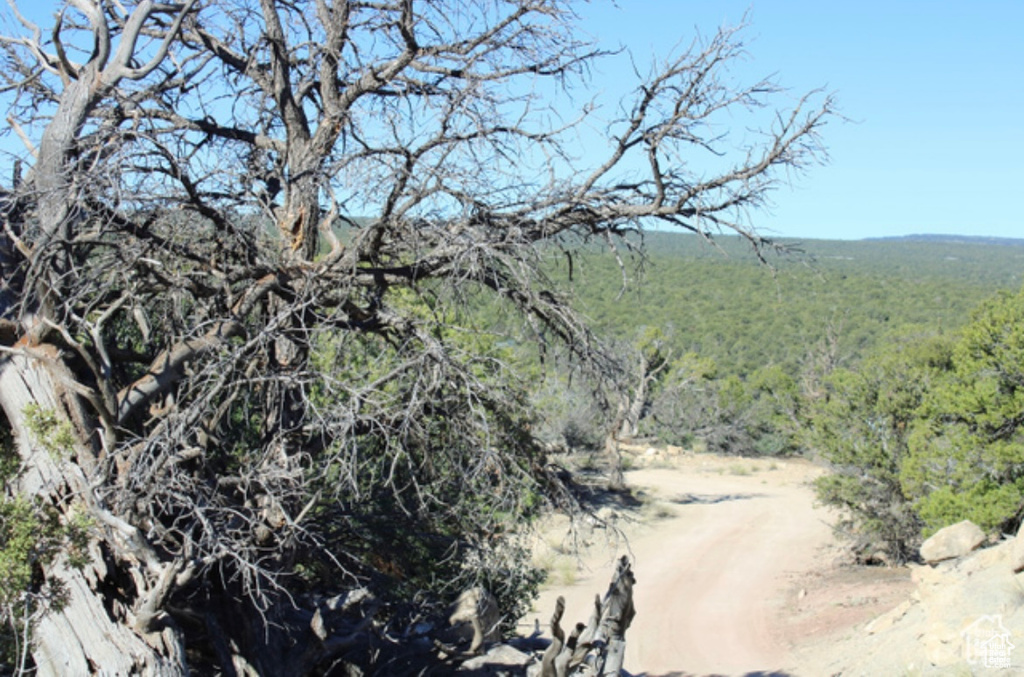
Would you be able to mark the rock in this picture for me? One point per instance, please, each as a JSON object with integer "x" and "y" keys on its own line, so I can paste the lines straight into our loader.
{"x": 879, "y": 558}
{"x": 925, "y": 577}
{"x": 942, "y": 645}
{"x": 889, "y": 618}
{"x": 476, "y": 617}
{"x": 349, "y": 600}
{"x": 1017, "y": 551}
{"x": 960, "y": 597}
{"x": 951, "y": 542}
{"x": 500, "y": 660}
{"x": 960, "y": 607}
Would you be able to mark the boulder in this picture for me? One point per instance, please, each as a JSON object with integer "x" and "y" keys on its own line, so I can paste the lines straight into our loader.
{"x": 1017, "y": 551}
{"x": 952, "y": 542}
{"x": 957, "y": 607}
{"x": 477, "y": 618}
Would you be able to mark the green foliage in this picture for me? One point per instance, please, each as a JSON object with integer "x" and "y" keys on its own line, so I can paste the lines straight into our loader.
{"x": 757, "y": 415}
{"x": 651, "y": 343}
{"x": 685, "y": 405}
{"x": 505, "y": 569}
{"x": 49, "y": 430}
{"x": 769, "y": 334}
{"x": 569, "y": 413}
{"x": 31, "y": 537}
{"x": 860, "y": 430}
{"x": 775, "y": 412}
{"x": 966, "y": 457}
{"x": 425, "y": 504}
{"x": 722, "y": 303}
{"x": 9, "y": 460}
{"x": 929, "y": 432}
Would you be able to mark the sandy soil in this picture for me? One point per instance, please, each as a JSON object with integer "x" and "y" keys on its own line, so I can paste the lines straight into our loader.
{"x": 736, "y": 571}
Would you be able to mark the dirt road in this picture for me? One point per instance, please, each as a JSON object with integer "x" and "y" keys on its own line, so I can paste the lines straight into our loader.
{"x": 712, "y": 577}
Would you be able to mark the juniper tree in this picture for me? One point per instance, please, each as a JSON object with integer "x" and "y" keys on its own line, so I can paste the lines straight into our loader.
{"x": 233, "y": 268}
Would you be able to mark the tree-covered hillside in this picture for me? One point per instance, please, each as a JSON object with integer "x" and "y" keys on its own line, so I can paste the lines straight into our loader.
{"x": 720, "y": 302}
{"x": 731, "y": 353}
{"x": 896, "y": 362}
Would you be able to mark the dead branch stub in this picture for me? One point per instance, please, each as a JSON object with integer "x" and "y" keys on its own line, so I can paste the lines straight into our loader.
{"x": 599, "y": 647}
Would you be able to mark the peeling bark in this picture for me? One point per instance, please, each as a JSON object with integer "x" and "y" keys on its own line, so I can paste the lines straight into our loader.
{"x": 83, "y": 637}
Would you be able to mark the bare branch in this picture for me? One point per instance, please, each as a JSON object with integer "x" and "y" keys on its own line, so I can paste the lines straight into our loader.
{"x": 166, "y": 369}
{"x": 254, "y": 246}
{"x": 120, "y": 68}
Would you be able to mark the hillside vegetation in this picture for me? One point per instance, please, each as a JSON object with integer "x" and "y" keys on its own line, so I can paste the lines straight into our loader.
{"x": 720, "y": 302}
{"x": 896, "y": 362}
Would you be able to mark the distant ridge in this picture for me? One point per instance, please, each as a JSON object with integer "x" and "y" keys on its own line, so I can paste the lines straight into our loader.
{"x": 959, "y": 239}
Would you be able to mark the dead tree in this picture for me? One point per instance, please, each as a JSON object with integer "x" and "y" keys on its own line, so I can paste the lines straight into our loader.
{"x": 650, "y": 361}
{"x": 599, "y": 647}
{"x": 233, "y": 269}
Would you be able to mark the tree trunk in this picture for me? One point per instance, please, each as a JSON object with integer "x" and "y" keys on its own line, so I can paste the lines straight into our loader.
{"x": 616, "y": 478}
{"x": 617, "y": 612}
{"x": 110, "y": 621}
{"x": 631, "y": 422}
{"x": 84, "y": 636}
{"x": 598, "y": 648}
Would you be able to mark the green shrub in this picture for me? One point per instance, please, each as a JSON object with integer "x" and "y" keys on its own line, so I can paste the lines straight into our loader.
{"x": 49, "y": 431}
{"x": 966, "y": 449}
{"x": 928, "y": 433}
{"x": 860, "y": 429}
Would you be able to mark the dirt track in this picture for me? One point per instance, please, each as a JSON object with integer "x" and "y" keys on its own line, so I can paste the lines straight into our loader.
{"x": 713, "y": 579}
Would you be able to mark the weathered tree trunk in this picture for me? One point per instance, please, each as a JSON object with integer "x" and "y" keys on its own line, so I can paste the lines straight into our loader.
{"x": 599, "y": 648}
{"x": 617, "y": 612}
{"x": 616, "y": 479}
{"x": 631, "y": 423}
{"x": 111, "y": 621}
{"x": 83, "y": 637}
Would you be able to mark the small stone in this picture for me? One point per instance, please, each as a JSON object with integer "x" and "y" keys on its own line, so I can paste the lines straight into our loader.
{"x": 500, "y": 660}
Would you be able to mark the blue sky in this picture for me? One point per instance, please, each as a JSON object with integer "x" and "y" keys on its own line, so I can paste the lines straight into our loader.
{"x": 934, "y": 91}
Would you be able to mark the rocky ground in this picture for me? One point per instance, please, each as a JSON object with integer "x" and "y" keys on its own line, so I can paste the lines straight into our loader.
{"x": 738, "y": 574}
{"x": 963, "y": 616}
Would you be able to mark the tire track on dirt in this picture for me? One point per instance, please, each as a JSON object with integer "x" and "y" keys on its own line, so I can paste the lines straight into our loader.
{"x": 711, "y": 581}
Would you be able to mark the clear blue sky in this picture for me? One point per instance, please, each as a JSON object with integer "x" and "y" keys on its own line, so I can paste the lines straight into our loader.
{"x": 934, "y": 90}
